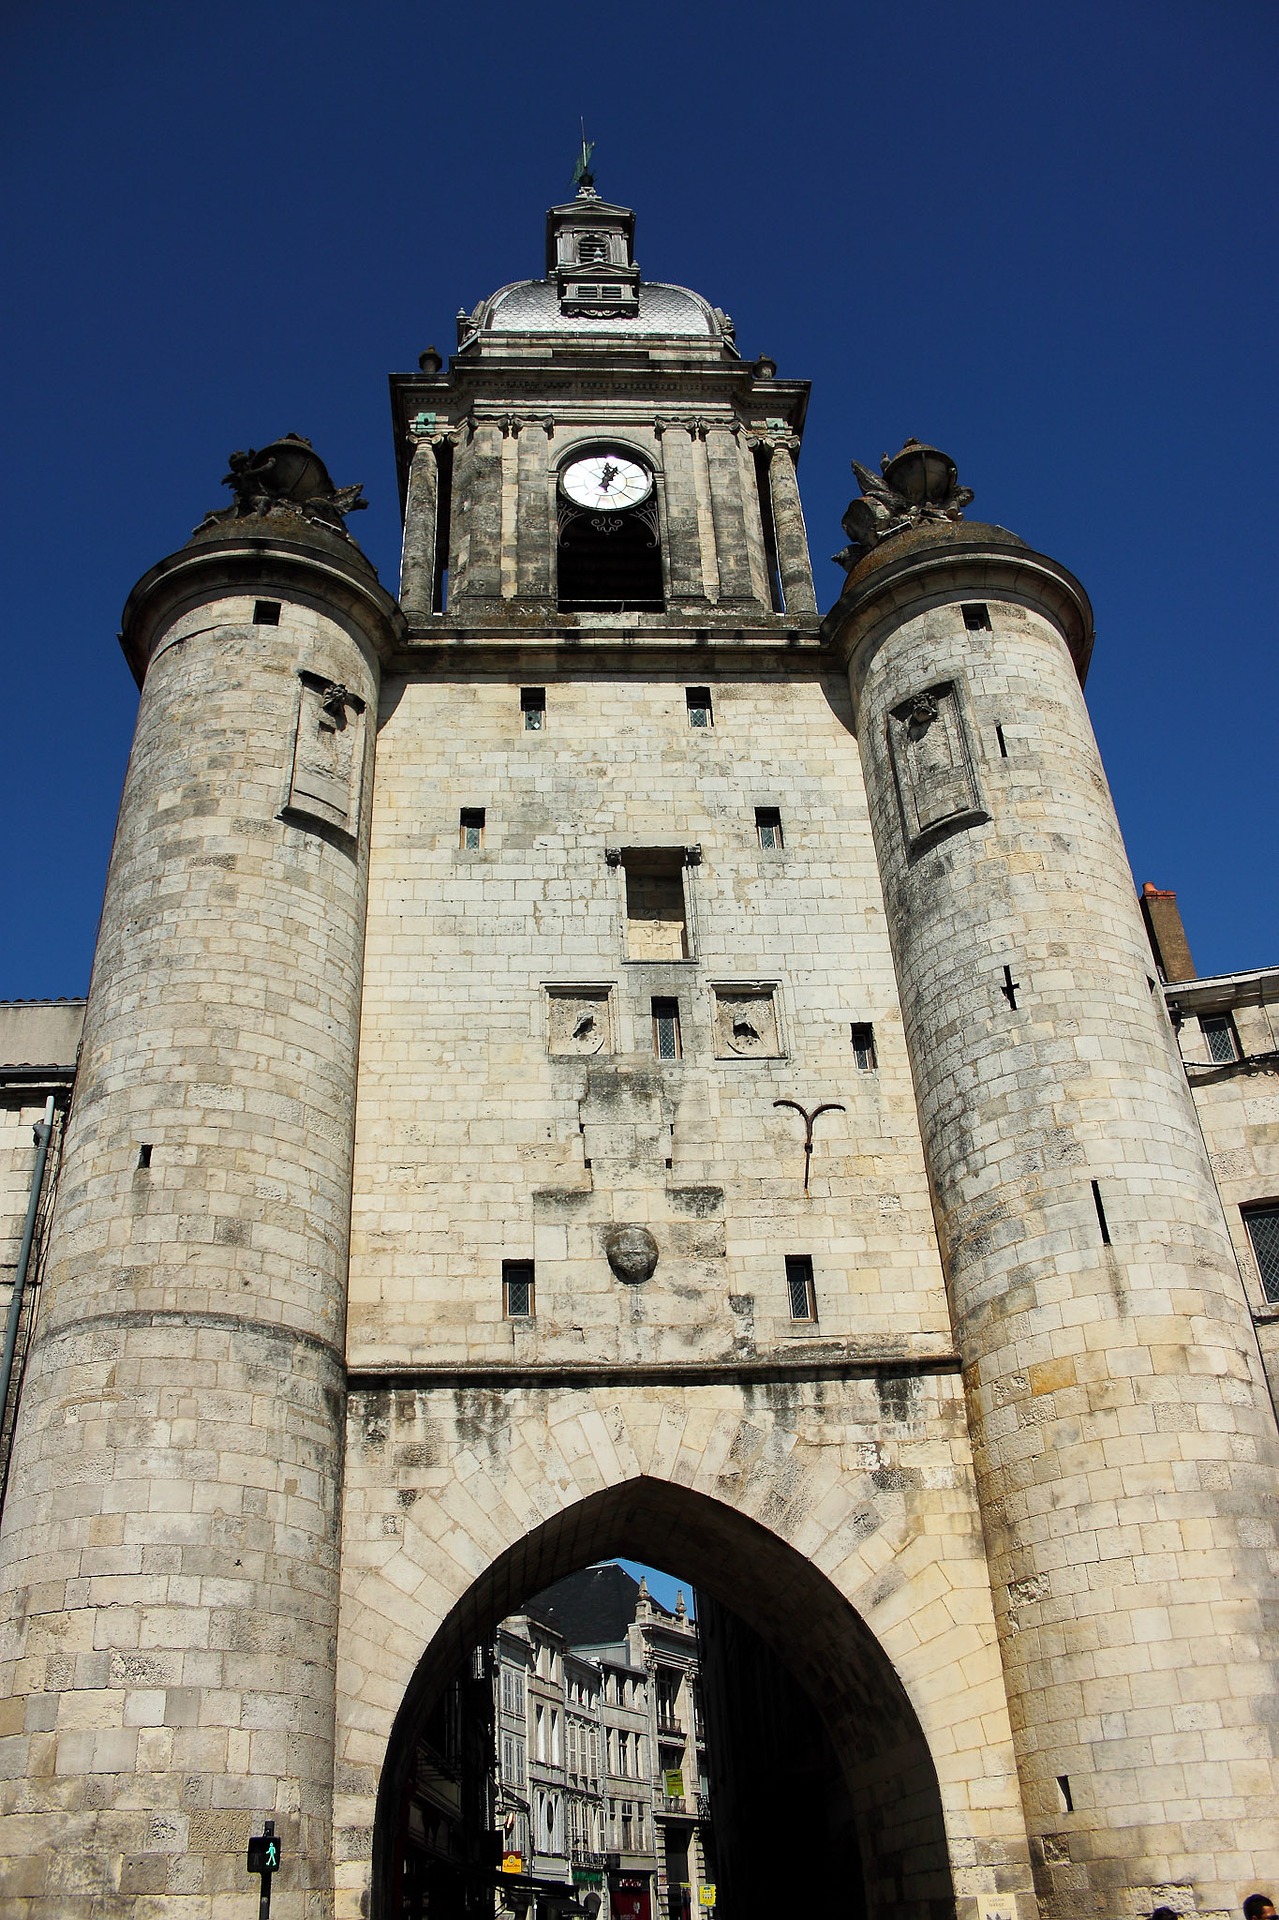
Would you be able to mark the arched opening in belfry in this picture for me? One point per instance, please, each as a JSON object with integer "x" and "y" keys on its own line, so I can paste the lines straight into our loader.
{"x": 609, "y": 562}
{"x": 815, "y": 1786}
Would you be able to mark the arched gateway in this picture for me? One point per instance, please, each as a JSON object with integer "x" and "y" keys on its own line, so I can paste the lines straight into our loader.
{"x": 860, "y": 1581}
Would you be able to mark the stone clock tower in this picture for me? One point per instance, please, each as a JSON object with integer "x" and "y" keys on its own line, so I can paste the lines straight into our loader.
{"x": 591, "y": 1058}
{"x": 705, "y": 523}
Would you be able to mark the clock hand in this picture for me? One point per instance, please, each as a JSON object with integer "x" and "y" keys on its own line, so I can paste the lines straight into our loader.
{"x": 608, "y": 473}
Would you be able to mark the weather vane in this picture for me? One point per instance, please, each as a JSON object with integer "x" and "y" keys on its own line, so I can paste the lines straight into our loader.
{"x": 583, "y": 178}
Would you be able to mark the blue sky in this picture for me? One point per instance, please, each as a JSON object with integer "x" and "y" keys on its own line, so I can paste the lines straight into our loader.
{"x": 1040, "y": 236}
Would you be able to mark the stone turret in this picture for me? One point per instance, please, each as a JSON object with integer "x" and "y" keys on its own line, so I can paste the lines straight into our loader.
{"x": 1121, "y": 1429}
{"x": 169, "y": 1554}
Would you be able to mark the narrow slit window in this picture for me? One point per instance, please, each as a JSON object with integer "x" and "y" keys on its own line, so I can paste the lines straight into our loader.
{"x": 517, "y": 1289}
{"x": 533, "y": 707}
{"x": 768, "y": 826}
{"x": 471, "y": 829}
{"x": 1063, "y": 1788}
{"x": 443, "y": 527}
{"x": 698, "y": 701}
{"x": 863, "y": 1038}
{"x": 977, "y": 617}
{"x": 768, "y": 525}
{"x": 1101, "y": 1214}
{"x": 1220, "y": 1038}
{"x": 1003, "y": 744}
{"x": 666, "y": 1035}
{"x": 799, "y": 1286}
{"x": 144, "y": 1154}
{"x": 266, "y": 613}
{"x": 1263, "y": 1233}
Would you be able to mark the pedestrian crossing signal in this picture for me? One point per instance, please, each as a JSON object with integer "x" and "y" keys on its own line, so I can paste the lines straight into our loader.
{"x": 264, "y": 1850}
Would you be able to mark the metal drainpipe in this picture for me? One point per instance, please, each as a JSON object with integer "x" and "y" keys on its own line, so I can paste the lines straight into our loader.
{"x": 43, "y": 1134}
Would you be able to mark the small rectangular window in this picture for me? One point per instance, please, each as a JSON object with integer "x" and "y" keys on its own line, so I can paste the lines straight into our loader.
{"x": 1263, "y": 1231}
{"x": 799, "y": 1286}
{"x": 768, "y": 825}
{"x": 1220, "y": 1038}
{"x": 863, "y": 1037}
{"x": 698, "y": 701}
{"x": 517, "y": 1289}
{"x": 666, "y": 1029}
{"x": 266, "y": 613}
{"x": 471, "y": 829}
{"x": 593, "y": 246}
{"x": 977, "y": 617}
{"x": 533, "y": 707}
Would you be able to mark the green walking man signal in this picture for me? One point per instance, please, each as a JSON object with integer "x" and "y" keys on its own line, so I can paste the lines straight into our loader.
{"x": 264, "y": 1858}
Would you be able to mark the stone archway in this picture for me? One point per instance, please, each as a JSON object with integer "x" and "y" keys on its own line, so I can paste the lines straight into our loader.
{"x": 836, "y": 1516}
{"x": 874, "y": 1729}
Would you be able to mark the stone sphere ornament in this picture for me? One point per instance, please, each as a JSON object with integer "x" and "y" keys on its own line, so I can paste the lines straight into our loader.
{"x": 632, "y": 1254}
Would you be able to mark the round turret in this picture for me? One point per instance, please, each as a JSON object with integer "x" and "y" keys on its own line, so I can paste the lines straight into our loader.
{"x": 1109, "y": 1360}
{"x": 175, "y": 1482}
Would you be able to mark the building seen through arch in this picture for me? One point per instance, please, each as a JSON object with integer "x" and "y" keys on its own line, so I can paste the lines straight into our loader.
{"x": 590, "y": 1055}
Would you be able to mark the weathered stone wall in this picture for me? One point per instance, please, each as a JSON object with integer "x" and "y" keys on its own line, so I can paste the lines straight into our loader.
{"x": 169, "y": 1552}
{"x": 1123, "y": 1443}
{"x": 477, "y": 1143}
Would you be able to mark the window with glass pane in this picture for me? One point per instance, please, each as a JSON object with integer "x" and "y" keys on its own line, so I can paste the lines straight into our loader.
{"x": 1220, "y": 1038}
{"x": 517, "y": 1289}
{"x": 768, "y": 825}
{"x": 698, "y": 700}
{"x": 1263, "y": 1231}
{"x": 471, "y": 829}
{"x": 864, "y": 1045}
{"x": 666, "y": 1029}
{"x": 799, "y": 1285}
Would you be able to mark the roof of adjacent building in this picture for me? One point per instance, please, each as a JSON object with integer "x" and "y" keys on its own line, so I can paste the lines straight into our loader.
{"x": 590, "y": 1608}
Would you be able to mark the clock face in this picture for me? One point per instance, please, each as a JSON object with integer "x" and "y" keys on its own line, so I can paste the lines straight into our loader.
{"x": 606, "y": 482}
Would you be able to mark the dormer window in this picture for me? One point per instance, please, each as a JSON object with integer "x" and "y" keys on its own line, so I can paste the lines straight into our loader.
{"x": 593, "y": 247}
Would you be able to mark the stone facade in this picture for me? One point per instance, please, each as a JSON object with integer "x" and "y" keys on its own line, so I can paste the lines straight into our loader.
{"x": 679, "y": 1079}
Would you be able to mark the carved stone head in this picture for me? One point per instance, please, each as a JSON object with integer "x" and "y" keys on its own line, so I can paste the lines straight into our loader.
{"x": 632, "y": 1254}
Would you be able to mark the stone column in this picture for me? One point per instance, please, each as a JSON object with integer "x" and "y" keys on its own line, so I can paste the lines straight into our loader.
{"x": 417, "y": 563}
{"x": 732, "y": 557}
{"x": 685, "y": 578}
{"x": 1124, "y": 1444}
{"x": 793, "y": 563}
{"x": 170, "y": 1548}
{"x": 475, "y": 573}
{"x": 534, "y": 521}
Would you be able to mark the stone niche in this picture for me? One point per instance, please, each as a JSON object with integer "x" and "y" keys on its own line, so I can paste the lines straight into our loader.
{"x": 579, "y": 1020}
{"x": 328, "y": 754}
{"x": 934, "y": 766}
{"x": 746, "y": 1023}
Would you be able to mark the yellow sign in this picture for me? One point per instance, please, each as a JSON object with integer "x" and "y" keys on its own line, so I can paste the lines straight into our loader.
{"x": 512, "y": 1863}
{"x": 675, "y": 1783}
{"x": 706, "y": 1896}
